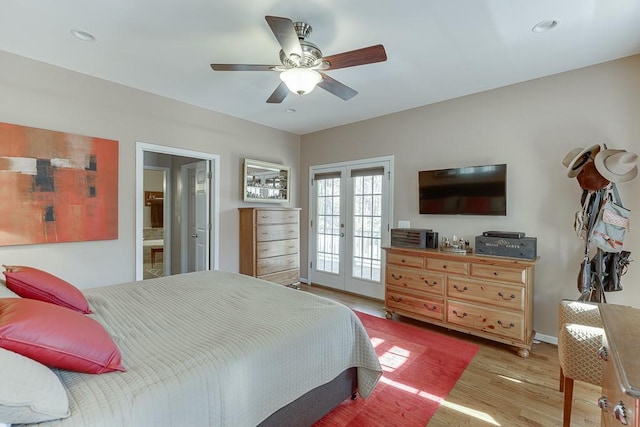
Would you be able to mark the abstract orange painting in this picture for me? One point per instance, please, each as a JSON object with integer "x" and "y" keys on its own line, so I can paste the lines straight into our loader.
{"x": 56, "y": 186}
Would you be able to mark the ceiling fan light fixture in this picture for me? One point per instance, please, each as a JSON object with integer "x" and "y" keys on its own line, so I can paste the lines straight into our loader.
{"x": 300, "y": 80}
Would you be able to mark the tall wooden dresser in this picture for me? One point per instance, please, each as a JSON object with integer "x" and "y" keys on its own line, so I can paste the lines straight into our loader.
{"x": 270, "y": 244}
{"x": 489, "y": 297}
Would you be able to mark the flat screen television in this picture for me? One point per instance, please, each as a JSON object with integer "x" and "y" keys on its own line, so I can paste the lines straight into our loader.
{"x": 474, "y": 190}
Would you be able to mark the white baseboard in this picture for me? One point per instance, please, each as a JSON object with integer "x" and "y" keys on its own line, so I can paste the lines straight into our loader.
{"x": 547, "y": 338}
{"x": 304, "y": 280}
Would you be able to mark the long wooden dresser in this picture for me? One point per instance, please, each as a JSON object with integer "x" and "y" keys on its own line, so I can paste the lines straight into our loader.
{"x": 489, "y": 297}
{"x": 620, "y": 401}
{"x": 270, "y": 244}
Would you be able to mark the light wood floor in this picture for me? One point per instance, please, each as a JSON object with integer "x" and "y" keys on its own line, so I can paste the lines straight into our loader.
{"x": 498, "y": 388}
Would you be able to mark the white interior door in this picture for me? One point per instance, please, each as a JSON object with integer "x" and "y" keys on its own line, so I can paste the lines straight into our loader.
{"x": 202, "y": 228}
{"x": 350, "y": 222}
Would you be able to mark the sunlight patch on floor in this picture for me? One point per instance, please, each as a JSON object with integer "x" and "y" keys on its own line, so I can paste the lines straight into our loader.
{"x": 393, "y": 358}
{"x": 482, "y": 416}
{"x": 411, "y": 390}
{"x": 376, "y": 341}
{"x": 510, "y": 379}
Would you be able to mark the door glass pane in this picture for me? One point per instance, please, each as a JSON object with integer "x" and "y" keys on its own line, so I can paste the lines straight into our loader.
{"x": 367, "y": 230}
{"x": 328, "y": 229}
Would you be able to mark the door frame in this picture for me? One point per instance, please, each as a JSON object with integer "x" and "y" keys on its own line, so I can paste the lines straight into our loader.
{"x": 214, "y": 199}
{"x": 347, "y": 165}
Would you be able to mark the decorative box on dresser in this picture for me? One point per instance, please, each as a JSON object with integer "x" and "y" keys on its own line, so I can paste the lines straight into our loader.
{"x": 270, "y": 244}
{"x": 620, "y": 401}
{"x": 491, "y": 297}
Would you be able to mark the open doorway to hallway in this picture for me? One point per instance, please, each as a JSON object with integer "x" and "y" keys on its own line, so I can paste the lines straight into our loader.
{"x": 168, "y": 249}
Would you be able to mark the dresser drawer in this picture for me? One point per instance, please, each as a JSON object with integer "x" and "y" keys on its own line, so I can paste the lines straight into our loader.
{"x": 428, "y": 307}
{"x": 499, "y": 273}
{"x": 485, "y": 319}
{"x": 277, "y": 217}
{"x": 509, "y": 296}
{"x": 277, "y": 248}
{"x": 276, "y": 264}
{"x": 405, "y": 260}
{"x": 284, "y": 277}
{"x": 417, "y": 280}
{"x": 448, "y": 266}
{"x": 265, "y": 233}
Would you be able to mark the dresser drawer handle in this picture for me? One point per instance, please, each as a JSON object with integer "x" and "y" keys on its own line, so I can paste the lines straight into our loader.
{"x": 495, "y": 273}
{"x": 509, "y": 326}
{"x": 603, "y": 354}
{"x": 460, "y": 290}
{"x": 444, "y": 266}
{"x": 403, "y": 260}
{"x": 434, "y": 283}
{"x": 398, "y": 277}
{"x": 430, "y": 308}
{"x": 501, "y": 295}
{"x": 603, "y": 403}
{"x": 396, "y": 299}
{"x": 620, "y": 413}
{"x": 461, "y": 316}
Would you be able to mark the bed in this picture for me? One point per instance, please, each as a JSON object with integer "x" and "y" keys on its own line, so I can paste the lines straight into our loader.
{"x": 220, "y": 349}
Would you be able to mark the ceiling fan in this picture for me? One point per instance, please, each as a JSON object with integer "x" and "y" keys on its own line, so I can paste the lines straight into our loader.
{"x": 302, "y": 63}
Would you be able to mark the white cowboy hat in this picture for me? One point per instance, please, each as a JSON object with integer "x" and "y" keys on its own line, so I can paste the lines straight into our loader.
{"x": 617, "y": 165}
{"x": 577, "y": 158}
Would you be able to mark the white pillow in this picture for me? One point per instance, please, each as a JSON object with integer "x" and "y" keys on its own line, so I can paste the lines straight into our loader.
{"x": 29, "y": 391}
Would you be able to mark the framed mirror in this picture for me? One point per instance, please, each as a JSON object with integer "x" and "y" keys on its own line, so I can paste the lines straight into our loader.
{"x": 266, "y": 182}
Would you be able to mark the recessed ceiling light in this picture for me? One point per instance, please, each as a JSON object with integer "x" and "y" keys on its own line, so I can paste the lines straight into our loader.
{"x": 290, "y": 110}
{"x": 83, "y": 35}
{"x": 546, "y": 25}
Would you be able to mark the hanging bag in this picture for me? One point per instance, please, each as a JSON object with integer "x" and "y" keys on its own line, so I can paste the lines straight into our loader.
{"x": 611, "y": 224}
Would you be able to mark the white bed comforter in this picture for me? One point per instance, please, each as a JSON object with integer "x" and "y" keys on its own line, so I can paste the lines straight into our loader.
{"x": 214, "y": 349}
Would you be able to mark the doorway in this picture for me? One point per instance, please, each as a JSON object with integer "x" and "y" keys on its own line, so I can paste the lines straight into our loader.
{"x": 156, "y": 229}
{"x": 350, "y": 216}
{"x": 150, "y": 156}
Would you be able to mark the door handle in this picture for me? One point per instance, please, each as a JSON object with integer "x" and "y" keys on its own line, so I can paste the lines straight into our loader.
{"x": 341, "y": 234}
{"x": 195, "y": 236}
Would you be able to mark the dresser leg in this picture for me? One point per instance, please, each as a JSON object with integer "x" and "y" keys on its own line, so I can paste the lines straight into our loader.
{"x": 523, "y": 352}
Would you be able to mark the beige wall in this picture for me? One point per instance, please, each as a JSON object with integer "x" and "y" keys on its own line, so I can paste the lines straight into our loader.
{"x": 39, "y": 95}
{"x": 530, "y": 126}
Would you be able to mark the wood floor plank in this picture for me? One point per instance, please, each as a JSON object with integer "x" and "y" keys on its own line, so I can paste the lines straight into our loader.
{"x": 498, "y": 388}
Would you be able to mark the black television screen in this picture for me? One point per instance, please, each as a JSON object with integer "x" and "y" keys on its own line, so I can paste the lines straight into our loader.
{"x": 474, "y": 190}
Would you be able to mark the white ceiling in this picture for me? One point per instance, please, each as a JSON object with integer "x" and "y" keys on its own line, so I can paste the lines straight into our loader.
{"x": 437, "y": 49}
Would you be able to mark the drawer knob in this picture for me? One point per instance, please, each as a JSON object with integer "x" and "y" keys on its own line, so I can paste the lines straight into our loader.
{"x": 620, "y": 413}
{"x": 460, "y": 290}
{"x": 434, "y": 283}
{"x": 603, "y": 354}
{"x": 402, "y": 260}
{"x": 396, "y": 299}
{"x": 501, "y": 295}
{"x": 495, "y": 273}
{"x": 603, "y": 403}
{"x": 461, "y": 316}
{"x": 430, "y": 308}
{"x": 398, "y": 277}
{"x": 509, "y": 326}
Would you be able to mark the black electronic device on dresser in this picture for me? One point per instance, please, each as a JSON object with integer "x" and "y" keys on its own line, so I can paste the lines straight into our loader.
{"x": 512, "y": 244}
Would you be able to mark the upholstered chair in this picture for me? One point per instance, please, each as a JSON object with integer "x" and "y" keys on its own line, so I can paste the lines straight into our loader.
{"x": 579, "y": 339}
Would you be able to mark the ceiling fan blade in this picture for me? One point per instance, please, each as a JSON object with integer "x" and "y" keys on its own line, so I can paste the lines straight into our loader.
{"x": 366, "y": 55}
{"x": 286, "y": 35}
{"x": 241, "y": 67}
{"x": 335, "y": 87}
{"x": 279, "y": 94}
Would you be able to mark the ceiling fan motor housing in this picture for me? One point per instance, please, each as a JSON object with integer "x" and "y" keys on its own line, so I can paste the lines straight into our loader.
{"x": 311, "y": 54}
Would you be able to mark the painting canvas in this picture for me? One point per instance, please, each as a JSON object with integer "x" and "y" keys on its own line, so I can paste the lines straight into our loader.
{"x": 56, "y": 186}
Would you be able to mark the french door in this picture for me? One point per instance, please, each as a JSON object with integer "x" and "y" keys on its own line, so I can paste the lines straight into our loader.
{"x": 350, "y": 216}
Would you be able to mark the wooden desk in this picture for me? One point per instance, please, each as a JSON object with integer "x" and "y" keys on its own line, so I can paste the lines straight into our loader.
{"x": 620, "y": 401}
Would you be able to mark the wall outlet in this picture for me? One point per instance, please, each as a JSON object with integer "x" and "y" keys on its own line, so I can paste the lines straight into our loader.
{"x": 404, "y": 224}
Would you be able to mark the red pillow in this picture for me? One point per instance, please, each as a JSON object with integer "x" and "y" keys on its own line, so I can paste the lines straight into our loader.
{"x": 57, "y": 337}
{"x": 29, "y": 282}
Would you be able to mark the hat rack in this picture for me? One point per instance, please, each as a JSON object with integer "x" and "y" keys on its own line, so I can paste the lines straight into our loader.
{"x": 597, "y": 170}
